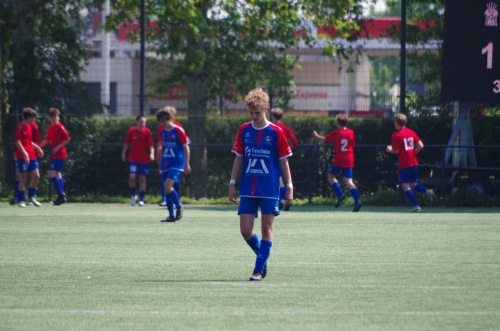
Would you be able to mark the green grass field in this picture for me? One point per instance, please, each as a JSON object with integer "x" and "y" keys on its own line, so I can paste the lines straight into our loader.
{"x": 116, "y": 267}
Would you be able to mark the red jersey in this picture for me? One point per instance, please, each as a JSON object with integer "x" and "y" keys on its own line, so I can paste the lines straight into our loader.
{"x": 404, "y": 142}
{"x": 35, "y": 133}
{"x": 140, "y": 141}
{"x": 343, "y": 145}
{"x": 56, "y": 134}
{"x": 288, "y": 134}
{"x": 23, "y": 133}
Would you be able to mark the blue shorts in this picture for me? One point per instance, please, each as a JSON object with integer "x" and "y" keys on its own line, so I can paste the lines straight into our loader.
{"x": 346, "y": 172}
{"x": 408, "y": 175}
{"x": 173, "y": 174}
{"x": 142, "y": 169}
{"x": 251, "y": 206}
{"x": 22, "y": 167}
{"x": 56, "y": 165}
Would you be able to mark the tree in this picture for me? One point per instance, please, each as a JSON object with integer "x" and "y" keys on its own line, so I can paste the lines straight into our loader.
{"x": 226, "y": 47}
{"x": 424, "y": 29}
{"x": 41, "y": 53}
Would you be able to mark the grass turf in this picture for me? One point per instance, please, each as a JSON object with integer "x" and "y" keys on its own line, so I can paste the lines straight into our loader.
{"x": 116, "y": 267}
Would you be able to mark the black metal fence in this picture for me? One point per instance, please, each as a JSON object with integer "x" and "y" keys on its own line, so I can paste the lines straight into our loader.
{"x": 96, "y": 168}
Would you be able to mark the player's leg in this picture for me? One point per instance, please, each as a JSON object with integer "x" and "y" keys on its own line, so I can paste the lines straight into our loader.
{"x": 269, "y": 211}
{"x": 335, "y": 185}
{"x": 406, "y": 176}
{"x": 143, "y": 173}
{"x": 170, "y": 196}
{"x": 162, "y": 193}
{"x": 23, "y": 176}
{"x": 132, "y": 171}
{"x": 172, "y": 177}
{"x": 13, "y": 201}
{"x": 34, "y": 174}
{"x": 347, "y": 175}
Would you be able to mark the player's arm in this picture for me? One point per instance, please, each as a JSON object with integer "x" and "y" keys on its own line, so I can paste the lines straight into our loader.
{"x": 158, "y": 153}
{"x": 151, "y": 153}
{"x": 389, "y": 149}
{"x": 43, "y": 143}
{"x": 38, "y": 150}
{"x": 124, "y": 152}
{"x": 20, "y": 147}
{"x": 287, "y": 176}
{"x": 187, "y": 156}
{"x": 316, "y": 135}
{"x": 58, "y": 147}
{"x": 419, "y": 147}
{"x": 238, "y": 161}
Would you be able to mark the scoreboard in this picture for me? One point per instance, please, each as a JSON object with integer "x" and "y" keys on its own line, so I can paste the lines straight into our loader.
{"x": 471, "y": 51}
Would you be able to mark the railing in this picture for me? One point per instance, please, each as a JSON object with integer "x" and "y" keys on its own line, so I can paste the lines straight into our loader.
{"x": 95, "y": 168}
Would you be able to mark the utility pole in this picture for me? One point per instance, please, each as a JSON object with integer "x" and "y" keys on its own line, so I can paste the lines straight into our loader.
{"x": 402, "y": 69}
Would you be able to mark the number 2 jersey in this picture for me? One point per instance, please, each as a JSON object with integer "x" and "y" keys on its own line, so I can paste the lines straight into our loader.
{"x": 261, "y": 150}
{"x": 403, "y": 142}
{"x": 172, "y": 152}
{"x": 343, "y": 144}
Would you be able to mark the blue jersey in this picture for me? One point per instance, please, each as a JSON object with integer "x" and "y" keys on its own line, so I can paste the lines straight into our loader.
{"x": 261, "y": 149}
{"x": 172, "y": 152}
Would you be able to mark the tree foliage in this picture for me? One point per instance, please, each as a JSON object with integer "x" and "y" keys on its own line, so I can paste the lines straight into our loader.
{"x": 226, "y": 47}
{"x": 41, "y": 49}
{"x": 41, "y": 53}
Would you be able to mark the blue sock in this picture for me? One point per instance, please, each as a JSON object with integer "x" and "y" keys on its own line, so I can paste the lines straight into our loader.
{"x": 20, "y": 195}
{"x": 133, "y": 191}
{"x": 254, "y": 243}
{"x": 262, "y": 255}
{"x": 31, "y": 192}
{"x": 142, "y": 195}
{"x": 170, "y": 207}
{"x": 177, "y": 187}
{"x": 355, "y": 194}
{"x": 175, "y": 199}
{"x": 61, "y": 182}
{"x": 57, "y": 184}
{"x": 411, "y": 197}
{"x": 420, "y": 188}
{"x": 282, "y": 193}
{"x": 336, "y": 188}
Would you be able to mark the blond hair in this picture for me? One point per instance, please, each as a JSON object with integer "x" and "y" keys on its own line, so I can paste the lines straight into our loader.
{"x": 257, "y": 99}
{"x": 171, "y": 109}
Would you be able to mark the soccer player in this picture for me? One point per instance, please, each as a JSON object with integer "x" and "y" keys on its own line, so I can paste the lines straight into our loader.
{"x": 58, "y": 137}
{"x": 406, "y": 144}
{"x": 276, "y": 116}
{"x": 26, "y": 152}
{"x": 261, "y": 152}
{"x": 343, "y": 160}
{"x": 37, "y": 139}
{"x": 177, "y": 185}
{"x": 175, "y": 155}
{"x": 140, "y": 141}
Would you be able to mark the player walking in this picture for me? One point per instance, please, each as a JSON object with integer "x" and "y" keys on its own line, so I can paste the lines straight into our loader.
{"x": 261, "y": 152}
{"x": 140, "y": 141}
{"x": 26, "y": 151}
{"x": 175, "y": 155}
